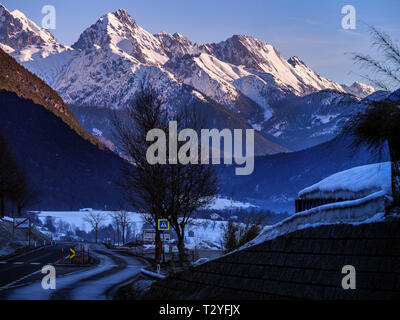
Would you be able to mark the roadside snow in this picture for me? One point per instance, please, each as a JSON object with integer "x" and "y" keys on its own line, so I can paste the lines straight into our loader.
{"x": 77, "y": 218}
{"x": 223, "y": 203}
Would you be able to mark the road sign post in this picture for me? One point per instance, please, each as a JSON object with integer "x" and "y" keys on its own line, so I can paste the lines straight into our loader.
{"x": 159, "y": 251}
{"x": 72, "y": 254}
{"x": 163, "y": 225}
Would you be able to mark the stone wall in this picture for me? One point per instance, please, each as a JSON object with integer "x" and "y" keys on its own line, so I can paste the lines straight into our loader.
{"x": 305, "y": 264}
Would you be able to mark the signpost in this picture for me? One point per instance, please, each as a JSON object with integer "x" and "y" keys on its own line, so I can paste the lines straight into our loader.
{"x": 72, "y": 254}
{"x": 163, "y": 225}
{"x": 23, "y": 223}
{"x": 149, "y": 236}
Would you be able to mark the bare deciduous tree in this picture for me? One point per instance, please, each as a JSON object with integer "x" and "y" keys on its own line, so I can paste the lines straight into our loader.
{"x": 141, "y": 183}
{"x": 116, "y": 225}
{"x": 172, "y": 191}
{"x": 122, "y": 221}
{"x": 190, "y": 187}
{"x": 96, "y": 220}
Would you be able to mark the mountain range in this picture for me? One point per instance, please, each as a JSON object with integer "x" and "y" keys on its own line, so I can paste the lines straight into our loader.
{"x": 241, "y": 82}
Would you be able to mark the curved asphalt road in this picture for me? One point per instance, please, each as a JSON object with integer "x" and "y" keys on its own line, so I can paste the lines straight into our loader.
{"x": 93, "y": 283}
{"x": 14, "y": 270}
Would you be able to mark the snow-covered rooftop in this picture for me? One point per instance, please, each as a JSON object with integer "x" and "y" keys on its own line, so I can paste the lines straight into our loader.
{"x": 354, "y": 183}
{"x": 370, "y": 187}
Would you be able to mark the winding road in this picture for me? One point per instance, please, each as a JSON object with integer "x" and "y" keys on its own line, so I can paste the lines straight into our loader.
{"x": 20, "y": 277}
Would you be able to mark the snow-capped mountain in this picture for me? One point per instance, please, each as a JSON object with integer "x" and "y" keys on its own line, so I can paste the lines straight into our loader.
{"x": 227, "y": 84}
{"x": 243, "y": 81}
{"x": 177, "y": 45}
{"x": 22, "y": 37}
{"x": 358, "y": 89}
{"x": 120, "y": 32}
{"x": 17, "y": 31}
{"x": 260, "y": 56}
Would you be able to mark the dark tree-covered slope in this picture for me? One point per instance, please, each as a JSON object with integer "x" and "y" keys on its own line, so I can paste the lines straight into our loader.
{"x": 67, "y": 171}
{"x": 15, "y": 78}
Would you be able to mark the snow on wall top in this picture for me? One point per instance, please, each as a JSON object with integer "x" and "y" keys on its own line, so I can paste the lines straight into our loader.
{"x": 353, "y": 183}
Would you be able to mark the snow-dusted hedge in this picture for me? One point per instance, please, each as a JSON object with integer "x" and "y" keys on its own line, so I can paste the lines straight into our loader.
{"x": 351, "y": 184}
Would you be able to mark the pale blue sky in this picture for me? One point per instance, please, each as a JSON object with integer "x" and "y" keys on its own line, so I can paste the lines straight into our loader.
{"x": 309, "y": 29}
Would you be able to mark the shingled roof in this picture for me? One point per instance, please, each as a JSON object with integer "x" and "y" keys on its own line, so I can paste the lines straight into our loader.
{"x": 305, "y": 264}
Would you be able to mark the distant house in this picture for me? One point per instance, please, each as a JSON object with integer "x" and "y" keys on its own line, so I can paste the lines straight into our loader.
{"x": 215, "y": 216}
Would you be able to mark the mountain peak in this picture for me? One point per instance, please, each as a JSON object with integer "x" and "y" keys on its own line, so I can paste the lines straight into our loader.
{"x": 2, "y": 8}
{"x": 359, "y": 89}
{"x": 176, "y": 45}
{"x": 18, "y": 14}
{"x": 122, "y": 12}
{"x": 17, "y": 31}
{"x": 118, "y": 24}
{"x": 122, "y": 16}
{"x": 119, "y": 32}
{"x": 295, "y": 61}
{"x": 241, "y": 37}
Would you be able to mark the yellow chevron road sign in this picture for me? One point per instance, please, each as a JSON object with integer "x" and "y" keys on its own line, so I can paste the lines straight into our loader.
{"x": 71, "y": 253}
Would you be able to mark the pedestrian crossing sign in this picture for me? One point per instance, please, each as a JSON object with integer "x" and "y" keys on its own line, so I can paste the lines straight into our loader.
{"x": 163, "y": 225}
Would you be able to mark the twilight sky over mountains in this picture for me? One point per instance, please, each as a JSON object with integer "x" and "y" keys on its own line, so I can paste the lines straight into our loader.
{"x": 308, "y": 29}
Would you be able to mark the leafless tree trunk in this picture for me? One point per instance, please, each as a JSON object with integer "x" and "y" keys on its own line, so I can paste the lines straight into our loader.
{"x": 142, "y": 183}
{"x": 96, "y": 221}
{"x": 192, "y": 186}
{"x": 172, "y": 191}
{"x": 116, "y": 225}
{"x": 123, "y": 221}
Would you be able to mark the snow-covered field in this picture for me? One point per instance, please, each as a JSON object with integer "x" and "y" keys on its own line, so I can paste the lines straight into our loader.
{"x": 76, "y": 219}
{"x": 203, "y": 232}
{"x": 224, "y": 203}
